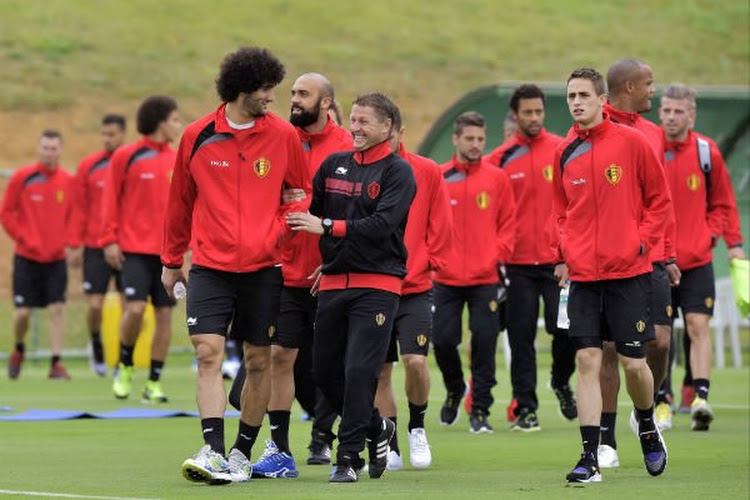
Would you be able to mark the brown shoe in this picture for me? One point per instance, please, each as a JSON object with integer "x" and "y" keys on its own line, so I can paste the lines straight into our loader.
{"x": 58, "y": 372}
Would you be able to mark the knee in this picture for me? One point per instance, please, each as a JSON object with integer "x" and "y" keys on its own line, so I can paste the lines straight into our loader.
{"x": 257, "y": 360}
{"x": 22, "y": 314}
{"x": 659, "y": 346}
{"x": 136, "y": 308}
{"x": 209, "y": 356}
{"x": 588, "y": 359}
{"x": 414, "y": 363}
{"x": 633, "y": 366}
{"x": 283, "y": 358}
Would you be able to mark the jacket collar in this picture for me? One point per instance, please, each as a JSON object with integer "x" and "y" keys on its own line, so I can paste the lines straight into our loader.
{"x": 679, "y": 145}
{"x": 527, "y": 141}
{"x": 222, "y": 126}
{"x": 596, "y": 131}
{"x": 624, "y": 117}
{"x": 308, "y": 137}
{"x": 149, "y": 143}
{"x": 373, "y": 154}
{"x": 465, "y": 167}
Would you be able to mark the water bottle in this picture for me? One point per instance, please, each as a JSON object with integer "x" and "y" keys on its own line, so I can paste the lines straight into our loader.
{"x": 179, "y": 290}
{"x": 563, "y": 321}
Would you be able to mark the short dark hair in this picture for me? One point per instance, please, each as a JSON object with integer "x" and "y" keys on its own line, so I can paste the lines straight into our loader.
{"x": 525, "y": 91}
{"x": 384, "y": 108}
{"x": 51, "y": 133}
{"x": 468, "y": 119}
{"x": 152, "y": 111}
{"x": 248, "y": 69}
{"x": 113, "y": 119}
{"x": 593, "y": 76}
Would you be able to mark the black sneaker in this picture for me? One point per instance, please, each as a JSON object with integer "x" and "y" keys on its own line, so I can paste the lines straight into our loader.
{"x": 449, "y": 411}
{"x": 478, "y": 423}
{"x": 654, "y": 451}
{"x": 346, "y": 470}
{"x": 567, "y": 401}
{"x": 585, "y": 471}
{"x": 527, "y": 421}
{"x": 378, "y": 449}
{"x": 320, "y": 452}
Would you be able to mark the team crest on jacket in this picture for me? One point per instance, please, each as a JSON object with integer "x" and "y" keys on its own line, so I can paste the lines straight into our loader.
{"x": 493, "y": 306}
{"x": 271, "y": 331}
{"x": 483, "y": 200}
{"x": 373, "y": 190}
{"x": 60, "y": 195}
{"x": 640, "y": 326}
{"x": 693, "y": 182}
{"x": 261, "y": 167}
{"x": 613, "y": 173}
{"x": 547, "y": 173}
{"x": 709, "y": 302}
{"x": 380, "y": 319}
{"x": 421, "y": 340}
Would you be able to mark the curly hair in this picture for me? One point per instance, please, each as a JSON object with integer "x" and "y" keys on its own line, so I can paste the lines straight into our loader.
{"x": 246, "y": 70}
{"x": 525, "y": 91}
{"x": 152, "y": 111}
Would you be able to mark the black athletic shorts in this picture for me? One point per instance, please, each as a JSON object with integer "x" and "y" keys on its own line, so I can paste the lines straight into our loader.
{"x": 243, "y": 305}
{"x": 661, "y": 300}
{"x": 141, "y": 279}
{"x": 38, "y": 284}
{"x": 97, "y": 273}
{"x": 616, "y": 310}
{"x": 296, "y": 318}
{"x": 413, "y": 326}
{"x": 697, "y": 291}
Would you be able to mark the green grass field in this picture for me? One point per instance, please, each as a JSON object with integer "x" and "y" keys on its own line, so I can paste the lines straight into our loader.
{"x": 141, "y": 458}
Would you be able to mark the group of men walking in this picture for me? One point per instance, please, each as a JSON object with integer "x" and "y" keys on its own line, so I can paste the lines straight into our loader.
{"x": 344, "y": 249}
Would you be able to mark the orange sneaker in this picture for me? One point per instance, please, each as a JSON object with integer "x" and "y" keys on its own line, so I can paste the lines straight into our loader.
{"x": 15, "y": 360}
{"x": 58, "y": 372}
{"x": 468, "y": 400}
{"x": 511, "y": 411}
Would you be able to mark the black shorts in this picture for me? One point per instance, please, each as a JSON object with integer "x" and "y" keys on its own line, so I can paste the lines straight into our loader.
{"x": 616, "y": 310}
{"x": 141, "y": 279}
{"x": 412, "y": 327}
{"x": 97, "y": 273}
{"x": 38, "y": 284}
{"x": 296, "y": 318}
{"x": 697, "y": 291}
{"x": 661, "y": 300}
{"x": 243, "y": 305}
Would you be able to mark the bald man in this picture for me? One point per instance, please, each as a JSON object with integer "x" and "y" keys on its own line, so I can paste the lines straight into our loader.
{"x": 631, "y": 86}
{"x": 312, "y": 98}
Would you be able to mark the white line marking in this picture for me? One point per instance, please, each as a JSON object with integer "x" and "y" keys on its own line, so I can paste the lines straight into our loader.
{"x": 66, "y": 495}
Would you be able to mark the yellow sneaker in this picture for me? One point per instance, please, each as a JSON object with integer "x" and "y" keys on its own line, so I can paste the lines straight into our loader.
{"x": 663, "y": 416}
{"x": 123, "y": 382}
{"x": 701, "y": 413}
{"x": 153, "y": 393}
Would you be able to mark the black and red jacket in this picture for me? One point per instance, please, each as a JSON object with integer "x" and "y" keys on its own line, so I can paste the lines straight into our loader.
{"x": 702, "y": 209}
{"x": 135, "y": 196}
{"x": 610, "y": 202}
{"x": 226, "y": 193}
{"x": 300, "y": 252}
{"x": 528, "y": 163}
{"x": 665, "y": 249}
{"x": 87, "y": 205}
{"x": 429, "y": 229}
{"x": 484, "y": 225}
{"x": 367, "y": 194}
{"x": 36, "y": 212}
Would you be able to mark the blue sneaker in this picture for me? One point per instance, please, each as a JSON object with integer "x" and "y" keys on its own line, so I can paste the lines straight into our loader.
{"x": 274, "y": 463}
{"x": 585, "y": 471}
{"x": 654, "y": 451}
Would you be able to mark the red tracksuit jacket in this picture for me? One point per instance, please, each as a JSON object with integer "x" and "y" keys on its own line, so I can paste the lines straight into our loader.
{"x": 484, "y": 225}
{"x": 135, "y": 196}
{"x": 610, "y": 202}
{"x": 665, "y": 249}
{"x": 702, "y": 215}
{"x": 429, "y": 227}
{"x": 300, "y": 251}
{"x": 88, "y": 193}
{"x": 528, "y": 163}
{"x": 226, "y": 193}
{"x": 36, "y": 212}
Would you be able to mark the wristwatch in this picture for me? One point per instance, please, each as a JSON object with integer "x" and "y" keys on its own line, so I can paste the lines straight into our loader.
{"x": 327, "y": 226}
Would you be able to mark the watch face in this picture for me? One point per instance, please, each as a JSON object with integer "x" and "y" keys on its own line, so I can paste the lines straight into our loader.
{"x": 327, "y": 222}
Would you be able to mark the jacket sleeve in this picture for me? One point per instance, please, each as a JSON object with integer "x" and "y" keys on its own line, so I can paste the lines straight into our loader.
{"x": 396, "y": 194}
{"x": 721, "y": 201}
{"x": 72, "y": 232}
{"x": 111, "y": 198}
{"x": 318, "y": 189}
{"x": 9, "y": 210}
{"x": 556, "y": 226}
{"x": 178, "y": 220}
{"x": 655, "y": 195}
{"x": 439, "y": 223}
{"x": 732, "y": 232}
{"x": 79, "y": 205}
{"x": 297, "y": 175}
{"x": 506, "y": 219}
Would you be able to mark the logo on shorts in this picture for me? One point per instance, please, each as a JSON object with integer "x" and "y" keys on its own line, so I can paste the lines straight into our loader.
{"x": 483, "y": 200}
{"x": 421, "y": 340}
{"x": 373, "y": 190}
{"x": 669, "y": 311}
{"x": 613, "y": 173}
{"x": 192, "y": 321}
{"x": 640, "y": 326}
{"x": 87, "y": 285}
{"x": 547, "y": 173}
{"x": 693, "y": 182}
{"x": 129, "y": 291}
{"x": 493, "y": 306}
{"x": 709, "y": 302}
{"x": 261, "y": 167}
{"x": 19, "y": 299}
{"x": 380, "y": 319}
{"x": 271, "y": 331}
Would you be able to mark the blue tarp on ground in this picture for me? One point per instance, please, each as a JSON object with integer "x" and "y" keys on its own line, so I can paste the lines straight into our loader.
{"x": 37, "y": 415}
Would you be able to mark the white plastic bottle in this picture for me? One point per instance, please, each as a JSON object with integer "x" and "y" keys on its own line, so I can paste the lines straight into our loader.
{"x": 180, "y": 290}
{"x": 563, "y": 321}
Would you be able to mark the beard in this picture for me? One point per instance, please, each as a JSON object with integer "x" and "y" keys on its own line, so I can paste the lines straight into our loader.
{"x": 305, "y": 117}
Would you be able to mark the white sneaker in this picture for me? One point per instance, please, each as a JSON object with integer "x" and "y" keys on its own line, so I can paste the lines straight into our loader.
{"x": 634, "y": 425}
{"x": 229, "y": 368}
{"x": 420, "y": 455}
{"x": 608, "y": 458}
{"x": 663, "y": 416}
{"x": 207, "y": 466}
{"x": 240, "y": 468}
{"x": 395, "y": 462}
